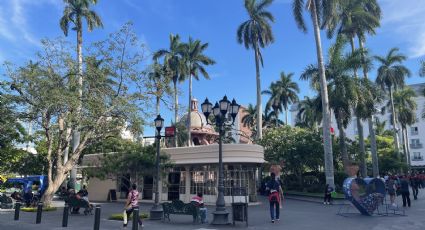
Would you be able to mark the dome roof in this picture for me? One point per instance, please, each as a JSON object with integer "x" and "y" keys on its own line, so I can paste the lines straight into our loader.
{"x": 197, "y": 118}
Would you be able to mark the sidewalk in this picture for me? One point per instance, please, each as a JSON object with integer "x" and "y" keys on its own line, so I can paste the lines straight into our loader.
{"x": 295, "y": 215}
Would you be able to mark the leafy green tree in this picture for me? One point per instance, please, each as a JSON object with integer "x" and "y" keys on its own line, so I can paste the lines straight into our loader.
{"x": 319, "y": 10}
{"x": 74, "y": 12}
{"x": 256, "y": 33}
{"x": 195, "y": 62}
{"x": 45, "y": 94}
{"x": 391, "y": 75}
{"x": 159, "y": 77}
{"x": 128, "y": 158}
{"x": 174, "y": 62}
{"x": 298, "y": 148}
{"x": 250, "y": 119}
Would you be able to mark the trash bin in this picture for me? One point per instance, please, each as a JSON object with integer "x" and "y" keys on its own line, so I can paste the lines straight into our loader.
{"x": 239, "y": 211}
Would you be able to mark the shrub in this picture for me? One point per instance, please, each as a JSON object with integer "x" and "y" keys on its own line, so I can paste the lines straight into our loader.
{"x": 119, "y": 216}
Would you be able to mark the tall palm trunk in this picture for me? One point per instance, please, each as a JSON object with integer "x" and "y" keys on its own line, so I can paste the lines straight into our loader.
{"x": 342, "y": 144}
{"x": 396, "y": 142}
{"x": 259, "y": 106}
{"x": 76, "y": 134}
{"x": 363, "y": 168}
{"x": 276, "y": 122}
{"x": 286, "y": 116}
{"x": 405, "y": 151}
{"x": 189, "y": 118}
{"x": 329, "y": 167}
{"x": 409, "y": 163}
{"x": 176, "y": 112}
{"x": 373, "y": 146}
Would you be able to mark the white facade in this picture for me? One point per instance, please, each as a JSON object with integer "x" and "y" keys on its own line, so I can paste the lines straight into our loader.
{"x": 415, "y": 132}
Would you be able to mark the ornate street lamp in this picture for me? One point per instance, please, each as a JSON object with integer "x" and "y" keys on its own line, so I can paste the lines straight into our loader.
{"x": 221, "y": 215}
{"x": 156, "y": 211}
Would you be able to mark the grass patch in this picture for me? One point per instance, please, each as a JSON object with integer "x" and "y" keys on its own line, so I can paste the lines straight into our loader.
{"x": 119, "y": 216}
{"x": 34, "y": 209}
{"x": 310, "y": 194}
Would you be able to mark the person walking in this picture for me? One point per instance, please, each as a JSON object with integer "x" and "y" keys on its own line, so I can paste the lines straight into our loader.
{"x": 275, "y": 193}
{"x": 414, "y": 183}
{"x": 328, "y": 194}
{"x": 391, "y": 189}
{"x": 404, "y": 190}
{"x": 130, "y": 204}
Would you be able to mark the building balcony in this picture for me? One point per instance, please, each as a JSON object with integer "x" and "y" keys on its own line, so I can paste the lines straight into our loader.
{"x": 414, "y": 133}
{"x": 416, "y": 146}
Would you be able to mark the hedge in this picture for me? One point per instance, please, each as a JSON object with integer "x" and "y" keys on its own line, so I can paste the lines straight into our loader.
{"x": 119, "y": 216}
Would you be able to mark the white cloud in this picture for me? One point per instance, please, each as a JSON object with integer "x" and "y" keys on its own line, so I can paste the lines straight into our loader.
{"x": 14, "y": 22}
{"x": 405, "y": 18}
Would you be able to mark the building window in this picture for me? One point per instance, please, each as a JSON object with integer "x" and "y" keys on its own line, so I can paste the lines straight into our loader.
{"x": 415, "y": 144}
{"x": 414, "y": 131}
{"x": 417, "y": 156}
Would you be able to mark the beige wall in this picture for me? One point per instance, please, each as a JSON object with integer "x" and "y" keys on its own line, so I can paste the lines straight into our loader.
{"x": 99, "y": 189}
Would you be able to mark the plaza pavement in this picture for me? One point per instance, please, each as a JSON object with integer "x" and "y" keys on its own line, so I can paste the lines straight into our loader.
{"x": 295, "y": 215}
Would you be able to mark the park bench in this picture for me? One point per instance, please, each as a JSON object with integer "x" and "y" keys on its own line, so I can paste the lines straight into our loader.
{"x": 6, "y": 202}
{"x": 73, "y": 203}
{"x": 178, "y": 207}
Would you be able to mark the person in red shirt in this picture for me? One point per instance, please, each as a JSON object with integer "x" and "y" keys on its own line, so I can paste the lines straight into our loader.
{"x": 199, "y": 201}
{"x": 131, "y": 203}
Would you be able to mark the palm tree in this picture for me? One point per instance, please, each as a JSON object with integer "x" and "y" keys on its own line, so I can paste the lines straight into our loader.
{"x": 194, "y": 61}
{"x": 319, "y": 10}
{"x": 173, "y": 59}
{"x": 405, "y": 107}
{"x": 391, "y": 74}
{"x": 422, "y": 69}
{"x": 342, "y": 93}
{"x": 256, "y": 33}
{"x": 380, "y": 126}
{"x": 249, "y": 118}
{"x": 275, "y": 100}
{"x": 75, "y": 11}
{"x": 289, "y": 91}
{"x": 353, "y": 18}
{"x": 270, "y": 119}
{"x": 159, "y": 76}
{"x": 310, "y": 112}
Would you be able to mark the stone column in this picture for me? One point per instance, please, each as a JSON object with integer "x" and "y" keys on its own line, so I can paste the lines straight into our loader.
{"x": 187, "y": 184}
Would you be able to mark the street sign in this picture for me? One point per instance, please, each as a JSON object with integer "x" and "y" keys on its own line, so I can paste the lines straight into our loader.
{"x": 170, "y": 131}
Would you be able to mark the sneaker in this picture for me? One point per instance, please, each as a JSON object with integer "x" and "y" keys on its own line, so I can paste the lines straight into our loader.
{"x": 277, "y": 219}
{"x": 124, "y": 225}
{"x": 272, "y": 221}
{"x": 324, "y": 202}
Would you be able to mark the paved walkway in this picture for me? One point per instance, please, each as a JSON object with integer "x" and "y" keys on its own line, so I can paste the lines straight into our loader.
{"x": 296, "y": 215}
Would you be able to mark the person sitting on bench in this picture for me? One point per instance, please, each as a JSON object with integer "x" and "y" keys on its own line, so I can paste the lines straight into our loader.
{"x": 199, "y": 201}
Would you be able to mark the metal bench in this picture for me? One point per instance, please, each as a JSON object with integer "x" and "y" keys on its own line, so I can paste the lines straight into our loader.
{"x": 178, "y": 207}
{"x": 6, "y": 202}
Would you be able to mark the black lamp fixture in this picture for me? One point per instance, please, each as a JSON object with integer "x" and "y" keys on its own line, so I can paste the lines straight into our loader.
{"x": 159, "y": 123}
{"x": 220, "y": 109}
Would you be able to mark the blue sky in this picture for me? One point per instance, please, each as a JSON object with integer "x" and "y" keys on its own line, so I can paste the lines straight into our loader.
{"x": 24, "y": 22}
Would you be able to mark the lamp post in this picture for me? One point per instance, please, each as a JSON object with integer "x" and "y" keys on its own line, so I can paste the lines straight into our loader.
{"x": 220, "y": 109}
{"x": 156, "y": 211}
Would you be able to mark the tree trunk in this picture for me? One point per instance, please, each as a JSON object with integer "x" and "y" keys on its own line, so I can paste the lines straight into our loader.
{"x": 52, "y": 188}
{"x": 409, "y": 162}
{"x": 396, "y": 142}
{"x": 329, "y": 167}
{"x": 277, "y": 118}
{"x": 176, "y": 112}
{"x": 286, "y": 116}
{"x": 342, "y": 144}
{"x": 373, "y": 146}
{"x": 363, "y": 166}
{"x": 189, "y": 120}
{"x": 76, "y": 134}
{"x": 259, "y": 106}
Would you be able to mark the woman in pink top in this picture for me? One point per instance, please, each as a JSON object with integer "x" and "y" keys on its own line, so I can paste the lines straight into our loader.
{"x": 130, "y": 204}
